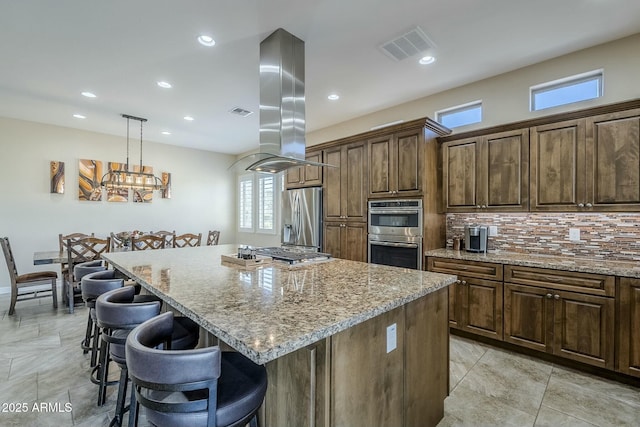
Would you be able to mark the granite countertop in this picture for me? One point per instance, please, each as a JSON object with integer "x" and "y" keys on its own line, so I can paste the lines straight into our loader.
{"x": 269, "y": 311}
{"x": 583, "y": 265}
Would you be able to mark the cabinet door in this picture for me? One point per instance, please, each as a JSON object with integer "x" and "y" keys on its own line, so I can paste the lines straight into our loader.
{"x": 528, "y": 317}
{"x": 455, "y": 312}
{"x": 613, "y": 161}
{"x": 407, "y": 163}
{"x": 583, "y": 328}
{"x": 354, "y": 241}
{"x": 313, "y": 174}
{"x": 331, "y": 238}
{"x": 629, "y": 327}
{"x": 354, "y": 182}
{"x": 332, "y": 187}
{"x": 459, "y": 175}
{"x": 481, "y": 306}
{"x": 294, "y": 177}
{"x": 557, "y": 166}
{"x": 503, "y": 172}
{"x": 380, "y": 166}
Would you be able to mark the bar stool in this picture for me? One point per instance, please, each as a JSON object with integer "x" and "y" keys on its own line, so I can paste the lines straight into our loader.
{"x": 93, "y": 285}
{"x": 217, "y": 389}
{"x": 117, "y": 314}
{"x": 79, "y": 272}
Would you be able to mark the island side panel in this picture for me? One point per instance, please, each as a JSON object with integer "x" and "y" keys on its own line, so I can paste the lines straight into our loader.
{"x": 426, "y": 359}
{"x": 298, "y": 386}
{"x": 367, "y": 382}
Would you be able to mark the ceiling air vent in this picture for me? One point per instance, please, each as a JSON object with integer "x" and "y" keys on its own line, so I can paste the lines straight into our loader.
{"x": 240, "y": 111}
{"x": 409, "y": 44}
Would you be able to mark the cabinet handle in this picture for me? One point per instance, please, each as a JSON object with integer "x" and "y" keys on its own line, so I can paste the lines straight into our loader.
{"x": 477, "y": 206}
{"x": 581, "y": 205}
{"x": 458, "y": 282}
{"x": 556, "y": 296}
{"x": 464, "y": 282}
{"x": 549, "y": 296}
{"x": 589, "y": 205}
{"x": 484, "y": 206}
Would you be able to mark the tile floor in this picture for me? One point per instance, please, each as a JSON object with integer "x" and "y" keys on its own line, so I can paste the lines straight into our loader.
{"x": 41, "y": 362}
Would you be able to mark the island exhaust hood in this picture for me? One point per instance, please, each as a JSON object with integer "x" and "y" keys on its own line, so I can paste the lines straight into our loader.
{"x": 282, "y": 105}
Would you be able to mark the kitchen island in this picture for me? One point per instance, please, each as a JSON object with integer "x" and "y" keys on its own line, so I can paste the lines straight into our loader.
{"x": 344, "y": 342}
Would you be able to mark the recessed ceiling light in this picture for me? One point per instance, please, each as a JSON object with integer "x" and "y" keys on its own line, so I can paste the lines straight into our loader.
{"x": 164, "y": 132}
{"x": 165, "y": 85}
{"x": 79, "y": 116}
{"x": 425, "y": 60}
{"x": 89, "y": 94}
{"x": 188, "y": 118}
{"x": 333, "y": 97}
{"x": 206, "y": 40}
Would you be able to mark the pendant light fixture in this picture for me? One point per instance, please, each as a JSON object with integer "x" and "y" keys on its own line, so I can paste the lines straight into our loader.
{"x": 125, "y": 179}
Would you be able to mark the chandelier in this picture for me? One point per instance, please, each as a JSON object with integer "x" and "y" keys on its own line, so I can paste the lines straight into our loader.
{"x": 124, "y": 179}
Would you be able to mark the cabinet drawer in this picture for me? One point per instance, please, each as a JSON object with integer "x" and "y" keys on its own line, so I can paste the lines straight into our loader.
{"x": 479, "y": 270}
{"x": 586, "y": 283}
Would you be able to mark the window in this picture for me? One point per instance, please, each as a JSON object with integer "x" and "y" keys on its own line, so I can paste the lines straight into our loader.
{"x": 568, "y": 90}
{"x": 257, "y": 202}
{"x": 460, "y": 115}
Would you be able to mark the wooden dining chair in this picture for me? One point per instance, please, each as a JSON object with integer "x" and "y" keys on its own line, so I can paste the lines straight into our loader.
{"x": 169, "y": 236}
{"x": 148, "y": 241}
{"x": 117, "y": 240}
{"x": 213, "y": 237}
{"x": 78, "y": 251}
{"x": 29, "y": 285}
{"x": 64, "y": 267}
{"x": 187, "y": 240}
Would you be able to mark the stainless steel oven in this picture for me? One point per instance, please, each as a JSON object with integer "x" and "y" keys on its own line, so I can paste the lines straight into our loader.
{"x": 395, "y": 233}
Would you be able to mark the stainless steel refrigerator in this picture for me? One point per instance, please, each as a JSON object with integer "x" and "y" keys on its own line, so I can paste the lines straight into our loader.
{"x": 302, "y": 218}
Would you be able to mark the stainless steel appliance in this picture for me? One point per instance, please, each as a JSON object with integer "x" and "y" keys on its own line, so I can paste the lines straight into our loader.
{"x": 395, "y": 233}
{"x": 475, "y": 238}
{"x": 302, "y": 218}
{"x": 292, "y": 255}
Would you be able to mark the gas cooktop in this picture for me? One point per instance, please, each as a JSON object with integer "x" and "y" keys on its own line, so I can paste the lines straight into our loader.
{"x": 293, "y": 255}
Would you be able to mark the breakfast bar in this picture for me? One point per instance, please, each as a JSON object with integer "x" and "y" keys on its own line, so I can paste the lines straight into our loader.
{"x": 344, "y": 342}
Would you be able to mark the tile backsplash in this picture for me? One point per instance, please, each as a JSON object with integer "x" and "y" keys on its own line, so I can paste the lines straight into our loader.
{"x": 614, "y": 236}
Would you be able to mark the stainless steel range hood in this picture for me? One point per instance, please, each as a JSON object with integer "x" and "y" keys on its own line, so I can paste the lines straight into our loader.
{"x": 282, "y": 105}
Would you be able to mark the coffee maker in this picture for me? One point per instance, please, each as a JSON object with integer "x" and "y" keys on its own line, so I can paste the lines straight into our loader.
{"x": 475, "y": 238}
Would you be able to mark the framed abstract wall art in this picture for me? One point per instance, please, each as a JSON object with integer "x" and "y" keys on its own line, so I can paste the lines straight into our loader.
{"x": 89, "y": 176}
{"x": 57, "y": 177}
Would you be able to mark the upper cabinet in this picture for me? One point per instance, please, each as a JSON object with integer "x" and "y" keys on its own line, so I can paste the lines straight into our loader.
{"x": 306, "y": 176}
{"x": 589, "y": 164}
{"x": 613, "y": 161}
{"x": 582, "y": 161}
{"x": 345, "y": 184}
{"x": 396, "y": 164}
{"x": 487, "y": 172}
{"x": 558, "y": 178}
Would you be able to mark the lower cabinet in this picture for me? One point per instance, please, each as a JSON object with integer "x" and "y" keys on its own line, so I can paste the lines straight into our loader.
{"x": 346, "y": 240}
{"x": 568, "y": 324}
{"x": 476, "y": 306}
{"x": 629, "y": 327}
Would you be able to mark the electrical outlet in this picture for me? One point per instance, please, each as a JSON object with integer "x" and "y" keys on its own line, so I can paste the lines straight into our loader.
{"x": 493, "y": 230}
{"x": 574, "y": 234}
{"x": 392, "y": 337}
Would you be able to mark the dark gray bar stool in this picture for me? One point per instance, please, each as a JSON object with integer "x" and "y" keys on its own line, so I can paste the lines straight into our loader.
{"x": 117, "y": 313}
{"x": 93, "y": 285}
{"x": 190, "y": 388}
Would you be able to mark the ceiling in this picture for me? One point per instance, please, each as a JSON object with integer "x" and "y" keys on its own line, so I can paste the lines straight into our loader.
{"x": 52, "y": 51}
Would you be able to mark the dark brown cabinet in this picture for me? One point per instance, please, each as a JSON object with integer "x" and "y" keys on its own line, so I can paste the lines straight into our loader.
{"x": 487, "y": 173}
{"x": 345, "y": 185}
{"x": 552, "y": 318}
{"x": 558, "y": 178}
{"x": 346, "y": 240}
{"x": 475, "y": 300}
{"x": 613, "y": 161}
{"x": 396, "y": 164}
{"x": 629, "y": 327}
{"x": 306, "y": 176}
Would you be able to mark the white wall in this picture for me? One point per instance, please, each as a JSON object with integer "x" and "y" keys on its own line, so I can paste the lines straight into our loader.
{"x": 203, "y": 190}
{"x": 505, "y": 97}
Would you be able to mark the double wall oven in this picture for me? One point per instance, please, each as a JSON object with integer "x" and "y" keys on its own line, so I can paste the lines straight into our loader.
{"x": 395, "y": 233}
